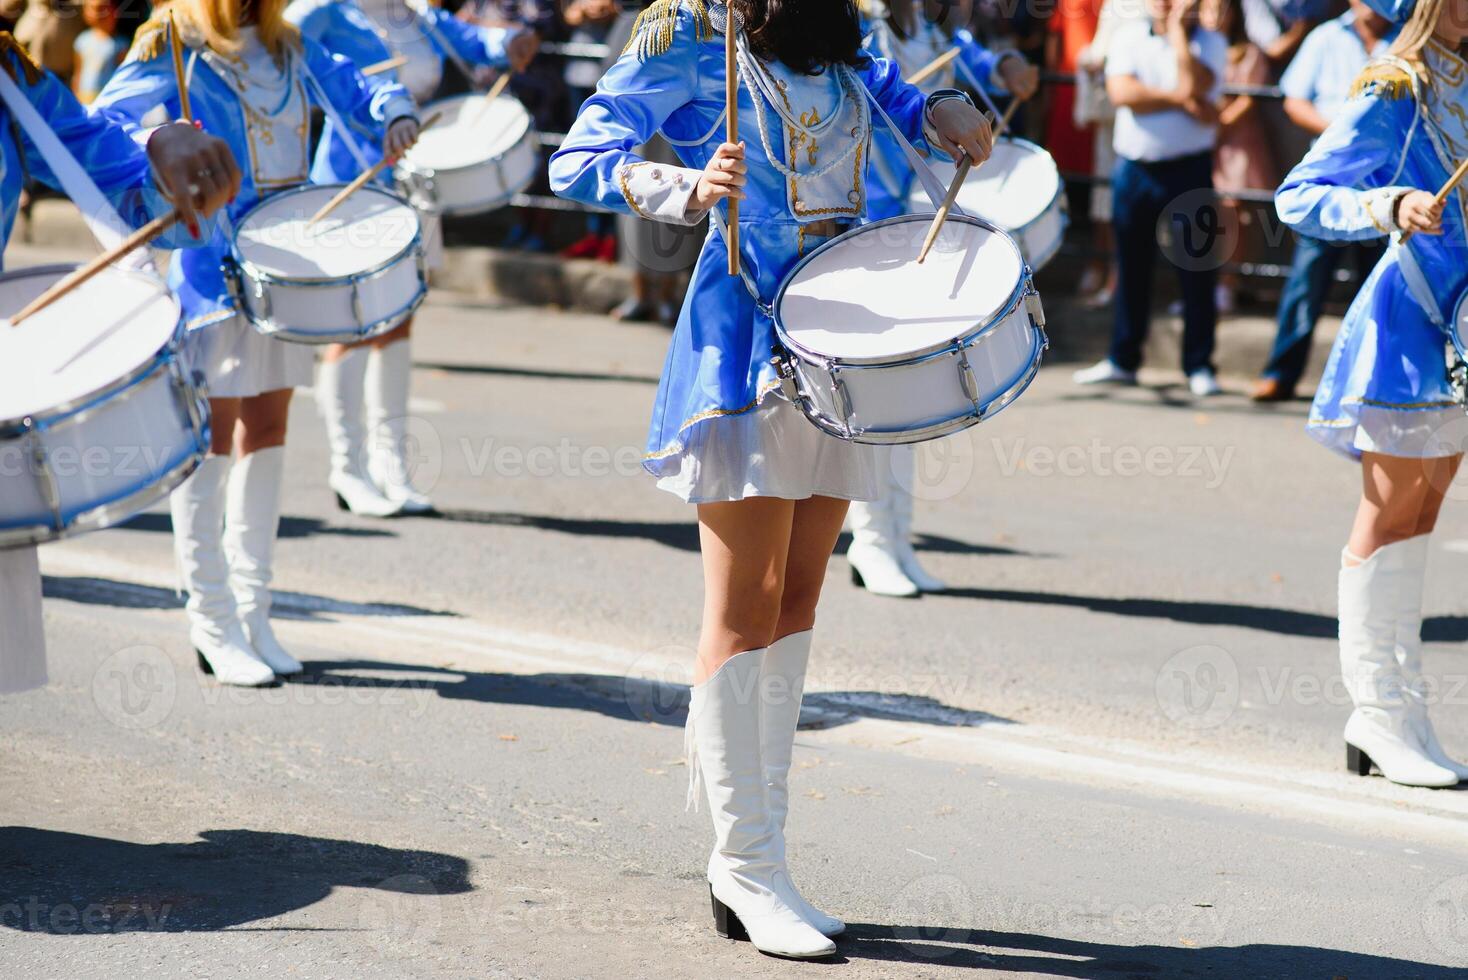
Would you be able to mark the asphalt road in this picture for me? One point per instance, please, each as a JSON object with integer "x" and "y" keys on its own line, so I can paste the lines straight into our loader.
{"x": 1111, "y": 751}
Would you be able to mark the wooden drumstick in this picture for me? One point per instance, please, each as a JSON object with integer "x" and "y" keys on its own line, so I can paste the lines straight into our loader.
{"x": 364, "y": 177}
{"x": 178, "y": 69}
{"x": 731, "y": 126}
{"x": 1442, "y": 195}
{"x": 495, "y": 91}
{"x": 1004, "y": 119}
{"x": 63, "y": 286}
{"x": 932, "y": 67}
{"x": 383, "y": 66}
{"x": 958, "y": 178}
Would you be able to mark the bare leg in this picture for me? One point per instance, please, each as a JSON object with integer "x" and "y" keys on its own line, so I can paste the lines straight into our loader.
{"x": 1400, "y": 499}
{"x": 815, "y": 528}
{"x": 744, "y": 545}
{"x": 262, "y": 421}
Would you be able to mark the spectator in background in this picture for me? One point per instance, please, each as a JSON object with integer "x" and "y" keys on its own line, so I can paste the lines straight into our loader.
{"x": 1315, "y": 86}
{"x": 1277, "y": 27}
{"x": 1165, "y": 78}
{"x": 589, "y": 22}
{"x": 1071, "y": 28}
{"x": 48, "y": 29}
{"x": 99, "y": 49}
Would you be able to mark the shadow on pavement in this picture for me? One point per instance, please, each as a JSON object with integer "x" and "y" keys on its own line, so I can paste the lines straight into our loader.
{"x": 290, "y": 527}
{"x": 1046, "y": 956}
{"x": 626, "y": 698}
{"x": 287, "y": 605}
{"x": 500, "y": 370}
{"x": 73, "y": 884}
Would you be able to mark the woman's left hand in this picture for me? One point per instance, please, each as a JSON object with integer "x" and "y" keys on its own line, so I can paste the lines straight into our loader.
{"x": 963, "y": 130}
{"x": 402, "y": 134}
{"x": 1021, "y": 78}
{"x": 523, "y": 48}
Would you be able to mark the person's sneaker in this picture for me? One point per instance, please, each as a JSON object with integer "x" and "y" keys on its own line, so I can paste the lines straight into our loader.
{"x": 584, "y": 248}
{"x": 1202, "y": 383}
{"x": 606, "y": 249}
{"x": 1104, "y": 372}
{"x": 1272, "y": 390}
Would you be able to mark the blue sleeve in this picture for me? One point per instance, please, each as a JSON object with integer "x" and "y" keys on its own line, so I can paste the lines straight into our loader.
{"x": 486, "y": 46}
{"x": 367, "y": 106}
{"x": 979, "y": 63}
{"x": 906, "y": 104}
{"x": 1341, "y": 190}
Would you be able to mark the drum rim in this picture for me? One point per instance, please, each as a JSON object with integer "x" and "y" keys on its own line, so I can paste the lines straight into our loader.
{"x": 1056, "y": 200}
{"x": 406, "y": 166}
{"x": 479, "y": 206}
{"x": 257, "y": 274}
{"x": 999, "y": 316}
{"x": 12, "y": 428}
{"x": 1455, "y": 333}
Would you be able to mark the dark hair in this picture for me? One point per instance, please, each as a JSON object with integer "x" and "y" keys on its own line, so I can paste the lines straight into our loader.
{"x": 806, "y": 35}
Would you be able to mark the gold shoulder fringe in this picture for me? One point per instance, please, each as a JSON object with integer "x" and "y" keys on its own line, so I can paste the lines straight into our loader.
{"x": 150, "y": 40}
{"x": 28, "y": 66}
{"x": 1384, "y": 79}
{"x": 652, "y": 34}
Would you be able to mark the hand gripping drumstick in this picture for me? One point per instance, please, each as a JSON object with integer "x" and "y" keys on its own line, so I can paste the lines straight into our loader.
{"x": 383, "y": 66}
{"x": 178, "y": 69}
{"x": 1442, "y": 195}
{"x": 942, "y": 215}
{"x": 63, "y": 286}
{"x": 731, "y": 127}
{"x": 932, "y": 67}
{"x": 364, "y": 177}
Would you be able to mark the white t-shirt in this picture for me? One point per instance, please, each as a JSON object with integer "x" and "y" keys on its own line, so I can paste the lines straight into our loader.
{"x": 1151, "y": 136}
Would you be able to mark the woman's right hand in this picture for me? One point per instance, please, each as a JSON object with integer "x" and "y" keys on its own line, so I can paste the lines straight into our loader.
{"x": 723, "y": 178}
{"x": 1420, "y": 212}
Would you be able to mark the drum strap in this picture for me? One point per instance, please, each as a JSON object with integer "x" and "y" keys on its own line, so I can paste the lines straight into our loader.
{"x": 348, "y": 135}
{"x": 1417, "y": 285}
{"x": 931, "y": 184}
{"x": 101, "y": 217}
{"x": 716, "y": 218}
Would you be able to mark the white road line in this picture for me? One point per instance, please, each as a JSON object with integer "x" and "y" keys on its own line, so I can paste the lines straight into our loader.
{"x": 1020, "y": 749}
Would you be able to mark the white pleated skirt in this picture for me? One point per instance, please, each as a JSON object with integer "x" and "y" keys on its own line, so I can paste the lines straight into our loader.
{"x": 239, "y": 361}
{"x": 22, "y": 638}
{"x": 772, "y": 451}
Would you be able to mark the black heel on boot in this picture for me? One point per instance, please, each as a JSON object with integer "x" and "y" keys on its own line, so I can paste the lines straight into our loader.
{"x": 203, "y": 664}
{"x": 856, "y": 578}
{"x": 726, "y": 923}
{"x": 1357, "y": 761}
{"x": 341, "y": 503}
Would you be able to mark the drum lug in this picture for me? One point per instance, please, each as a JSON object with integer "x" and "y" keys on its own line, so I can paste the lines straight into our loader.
{"x": 843, "y": 399}
{"x": 46, "y": 486}
{"x": 1035, "y": 308}
{"x": 357, "y": 312}
{"x": 785, "y": 372}
{"x": 231, "y": 273}
{"x": 969, "y": 383}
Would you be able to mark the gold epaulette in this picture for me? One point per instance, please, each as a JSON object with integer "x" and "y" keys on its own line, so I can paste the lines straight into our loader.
{"x": 28, "y": 67}
{"x": 652, "y": 34}
{"x": 151, "y": 39}
{"x": 1384, "y": 79}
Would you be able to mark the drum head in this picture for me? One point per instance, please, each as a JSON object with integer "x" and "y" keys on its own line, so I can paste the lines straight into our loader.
{"x": 369, "y": 229}
{"x": 1015, "y": 185}
{"x": 469, "y": 133}
{"x": 96, "y": 335}
{"x": 863, "y": 296}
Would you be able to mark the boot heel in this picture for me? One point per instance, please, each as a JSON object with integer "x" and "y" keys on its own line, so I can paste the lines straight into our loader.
{"x": 203, "y": 664}
{"x": 726, "y": 923}
{"x": 1357, "y": 761}
{"x": 341, "y": 503}
{"x": 856, "y": 578}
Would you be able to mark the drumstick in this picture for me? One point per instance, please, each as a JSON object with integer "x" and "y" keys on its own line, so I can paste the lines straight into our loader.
{"x": 364, "y": 177}
{"x": 1442, "y": 195}
{"x": 495, "y": 91}
{"x": 932, "y": 67}
{"x": 383, "y": 66}
{"x": 942, "y": 215}
{"x": 178, "y": 69}
{"x": 731, "y": 128}
{"x": 1004, "y": 119}
{"x": 59, "y": 289}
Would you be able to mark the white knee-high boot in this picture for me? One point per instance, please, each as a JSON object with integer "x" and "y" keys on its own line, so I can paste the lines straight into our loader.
{"x": 1380, "y": 730}
{"x": 251, "y": 521}
{"x": 339, "y": 397}
{"x": 782, "y": 682}
{"x": 389, "y": 375}
{"x": 903, "y": 461}
{"x": 1409, "y": 652}
{"x": 747, "y": 876}
{"x": 875, "y": 557}
{"x": 198, "y": 530}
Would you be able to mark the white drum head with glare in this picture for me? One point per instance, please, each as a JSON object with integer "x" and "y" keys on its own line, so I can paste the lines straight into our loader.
{"x": 1016, "y": 185}
{"x": 469, "y": 133}
{"x": 866, "y": 296}
{"x": 368, "y": 229}
{"x": 99, "y": 332}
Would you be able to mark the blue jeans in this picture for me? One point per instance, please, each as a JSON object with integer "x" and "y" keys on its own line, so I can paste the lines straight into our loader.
{"x": 1311, "y": 272}
{"x": 1179, "y": 190}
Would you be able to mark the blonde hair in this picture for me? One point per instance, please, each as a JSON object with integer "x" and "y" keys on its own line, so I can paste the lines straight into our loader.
{"x": 1420, "y": 29}
{"x": 217, "y": 24}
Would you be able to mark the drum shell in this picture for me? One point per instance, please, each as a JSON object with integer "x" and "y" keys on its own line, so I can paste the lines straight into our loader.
{"x": 485, "y": 186}
{"x": 98, "y": 460}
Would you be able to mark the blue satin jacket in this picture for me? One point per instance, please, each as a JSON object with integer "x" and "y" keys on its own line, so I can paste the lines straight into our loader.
{"x": 341, "y": 27}
{"x": 1401, "y": 131}
{"x": 146, "y": 81}
{"x": 671, "y": 80}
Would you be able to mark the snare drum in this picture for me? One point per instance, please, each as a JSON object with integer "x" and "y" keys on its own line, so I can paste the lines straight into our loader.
{"x": 354, "y": 275}
{"x": 98, "y": 417}
{"x": 879, "y": 349}
{"x": 1457, "y": 352}
{"x": 1019, "y": 190}
{"x": 477, "y": 157}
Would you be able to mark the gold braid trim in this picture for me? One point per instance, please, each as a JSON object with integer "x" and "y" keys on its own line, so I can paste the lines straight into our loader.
{"x": 652, "y": 33}
{"x": 28, "y": 67}
{"x": 1385, "y": 80}
{"x": 150, "y": 40}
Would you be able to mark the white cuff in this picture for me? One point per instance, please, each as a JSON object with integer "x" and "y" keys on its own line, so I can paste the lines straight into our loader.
{"x": 930, "y": 132}
{"x": 1381, "y": 207}
{"x": 660, "y": 192}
